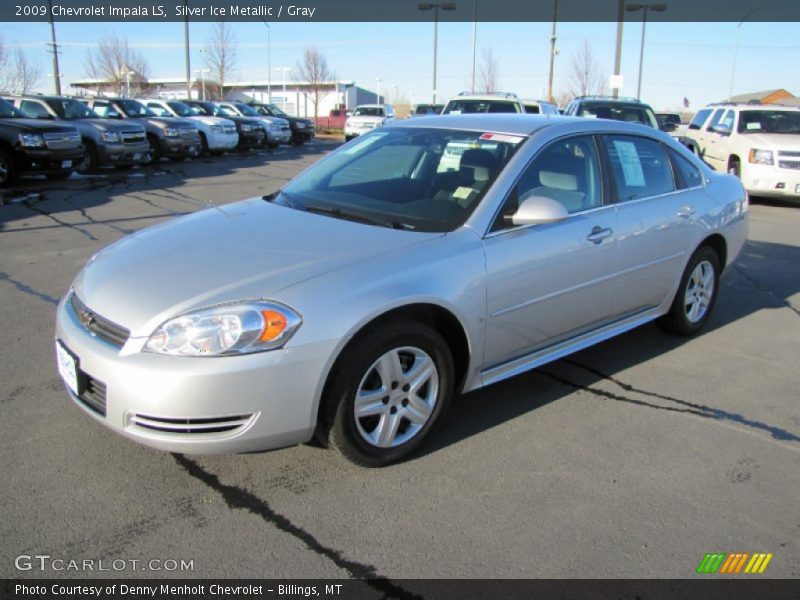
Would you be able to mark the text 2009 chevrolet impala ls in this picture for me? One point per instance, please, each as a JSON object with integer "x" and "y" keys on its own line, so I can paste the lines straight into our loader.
{"x": 427, "y": 258}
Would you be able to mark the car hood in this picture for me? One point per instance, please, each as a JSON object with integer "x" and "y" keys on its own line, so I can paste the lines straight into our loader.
{"x": 206, "y": 120}
{"x": 36, "y": 126}
{"x": 108, "y": 125}
{"x": 777, "y": 141}
{"x": 364, "y": 119}
{"x": 168, "y": 121}
{"x": 249, "y": 249}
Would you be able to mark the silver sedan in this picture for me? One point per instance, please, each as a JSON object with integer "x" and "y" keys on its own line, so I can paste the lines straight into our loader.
{"x": 422, "y": 260}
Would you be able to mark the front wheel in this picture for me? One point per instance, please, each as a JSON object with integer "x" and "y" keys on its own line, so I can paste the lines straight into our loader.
{"x": 391, "y": 388}
{"x": 696, "y": 294}
{"x": 8, "y": 170}
{"x": 735, "y": 168}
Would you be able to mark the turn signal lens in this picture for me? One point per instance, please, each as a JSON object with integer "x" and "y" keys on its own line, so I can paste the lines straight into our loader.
{"x": 274, "y": 325}
{"x": 760, "y": 157}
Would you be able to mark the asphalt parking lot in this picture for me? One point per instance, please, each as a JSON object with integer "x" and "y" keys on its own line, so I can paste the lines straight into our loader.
{"x": 630, "y": 459}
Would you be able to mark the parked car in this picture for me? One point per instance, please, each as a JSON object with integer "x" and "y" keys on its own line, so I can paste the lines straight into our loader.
{"x": 672, "y": 124}
{"x": 630, "y": 110}
{"x": 467, "y": 103}
{"x": 176, "y": 139}
{"x": 367, "y": 117}
{"x": 760, "y": 144}
{"x": 357, "y": 300}
{"x": 537, "y": 107}
{"x": 217, "y": 134}
{"x": 121, "y": 145}
{"x": 28, "y": 146}
{"x": 278, "y": 130}
{"x": 251, "y": 131}
{"x": 423, "y": 110}
{"x": 302, "y": 128}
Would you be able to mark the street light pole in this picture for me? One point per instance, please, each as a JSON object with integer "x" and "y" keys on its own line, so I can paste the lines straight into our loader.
{"x": 644, "y": 8}
{"x": 269, "y": 63}
{"x": 552, "y": 53}
{"x": 284, "y": 69}
{"x": 54, "y": 44}
{"x": 378, "y": 95}
{"x": 736, "y": 45}
{"x": 618, "y": 50}
{"x": 435, "y": 6}
{"x": 202, "y": 73}
{"x": 186, "y": 50}
{"x": 474, "y": 40}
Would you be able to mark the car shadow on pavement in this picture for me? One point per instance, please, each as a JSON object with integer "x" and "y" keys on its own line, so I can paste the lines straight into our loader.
{"x": 765, "y": 277}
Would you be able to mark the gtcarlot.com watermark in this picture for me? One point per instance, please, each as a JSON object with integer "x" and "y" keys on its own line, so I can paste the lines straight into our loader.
{"x": 46, "y": 562}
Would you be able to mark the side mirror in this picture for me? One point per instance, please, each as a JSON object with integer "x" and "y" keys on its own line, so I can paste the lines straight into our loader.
{"x": 538, "y": 210}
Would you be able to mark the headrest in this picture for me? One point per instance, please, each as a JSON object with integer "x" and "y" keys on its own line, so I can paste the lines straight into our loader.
{"x": 481, "y": 162}
{"x": 559, "y": 181}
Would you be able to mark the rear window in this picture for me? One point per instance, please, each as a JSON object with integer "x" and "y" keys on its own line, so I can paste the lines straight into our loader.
{"x": 456, "y": 107}
{"x": 631, "y": 113}
{"x": 700, "y": 118}
{"x": 368, "y": 111}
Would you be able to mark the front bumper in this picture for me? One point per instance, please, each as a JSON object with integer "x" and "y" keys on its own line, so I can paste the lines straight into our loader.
{"x": 179, "y": 146}
{"x": 197, "y": 405}
{"x": 303, "y": 135}
{"x": 251, "y": 139}
{"x": 280, "y": 136}
{"x": 771, "y": 181}
{"x": 123, "y": 154}
{"x": 222, "y": 141}
{"x": 48, "y": 162}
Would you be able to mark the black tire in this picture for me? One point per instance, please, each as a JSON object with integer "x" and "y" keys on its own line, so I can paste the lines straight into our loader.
{"x": 272, "y": 146}
{"x": 123, "y": 167}
{"x": 59, "y": 176}
{"x": 154, "y": 151}
{"x": 177, "y": 159}
{"x": 91, "y": 159}
{"x": 339, "y": 427}
{"x": 203, "y": 145}
{"x": 347, "y": 138}
{"x": 735, "y": 168}
{"x": 678, "y": 319}
{"x": 8, "y": 170}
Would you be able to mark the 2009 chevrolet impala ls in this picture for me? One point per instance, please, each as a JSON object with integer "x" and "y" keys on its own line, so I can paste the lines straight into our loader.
{"x": 424, "y": 259}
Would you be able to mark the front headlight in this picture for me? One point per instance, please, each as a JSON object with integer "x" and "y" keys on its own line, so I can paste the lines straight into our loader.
{"x": 217, "y": 129}
{"x": 247, "y": 128}
{"x": 111, "y": 137}
{"x": 761, "y": 157}
{"x": 301, "y": 125}
{"x": 228, "y": 329}
{"x": 31, "y": 140}
{"x": 171, "y": 132}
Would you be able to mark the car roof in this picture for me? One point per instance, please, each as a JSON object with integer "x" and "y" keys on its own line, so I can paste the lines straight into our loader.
{"x": 370, "y": 106}
{"x": 496, "y": 97}
{"x": 525, "y": 124}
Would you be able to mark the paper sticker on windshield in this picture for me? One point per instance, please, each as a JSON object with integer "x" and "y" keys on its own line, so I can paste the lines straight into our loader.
{"x": 630, "y": 162}
{"x": 361, "y": 144}
{"x": 753, "y": 126}
{"x": 502, "y": 137}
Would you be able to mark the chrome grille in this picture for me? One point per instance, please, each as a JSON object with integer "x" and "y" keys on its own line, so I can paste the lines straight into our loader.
{"x": 229, "y": 129}
{"x": 789, "y": 153}
{"x": 190, "y": 426}
{"x": 106, "y": 330}
{"x": 133, "y": 137}
{"x": 63, "y": 140}
{"x": 789, "y": 164}
{"x": 189, "y": 134}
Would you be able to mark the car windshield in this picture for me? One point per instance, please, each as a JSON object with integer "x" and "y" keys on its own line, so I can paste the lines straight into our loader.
{"x": 428, "y": 109}
{"x": 274, "y": 110}
{"x": 368, "y": 111}
{"x": 769, "y": 121}
{"x": 203, "y": 108}
{"x": 456, "y": 107}
{"x": 227, "y": 111}
{"x": 134, "y": 108}
{"x": 670, "y": 118}
{"x": 246, "y": 110}
{"x": 72, "y": 109}
{"x": 631, "y": 113}
{"x": 7, "y": 111}
{"x": 419, "y": 179}
{"x": 181, "y": 109}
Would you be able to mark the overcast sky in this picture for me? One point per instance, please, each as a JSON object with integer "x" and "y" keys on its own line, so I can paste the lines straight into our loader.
{"x": 691, "y": 60}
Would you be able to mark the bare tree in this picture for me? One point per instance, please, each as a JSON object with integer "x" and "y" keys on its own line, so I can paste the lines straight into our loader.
{"x": 26, "y": 74}
{"x": 118, "y": 66}
{"x": 220, "y": 57}
{"x": 585, "y": 76}
{"x": 314, "y": 71}
{"x": 4, "y": 71}
{"x": 488, "y": 75}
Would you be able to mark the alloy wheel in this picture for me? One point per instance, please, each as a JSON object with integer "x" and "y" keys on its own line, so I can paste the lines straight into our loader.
{"x": 699, "y": 291}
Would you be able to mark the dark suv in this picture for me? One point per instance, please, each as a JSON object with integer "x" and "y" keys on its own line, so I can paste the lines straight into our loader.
{"x": 104, "y": 141}
{"x": 28, "y": 146}
{"x": 302, "y": 129}
{"x": 618, "y": 109}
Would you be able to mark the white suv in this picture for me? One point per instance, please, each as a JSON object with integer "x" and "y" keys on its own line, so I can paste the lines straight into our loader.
{"x": 758, "y": 143}
{"x": 367, "y": 117}
{"x": 467, "y": 102}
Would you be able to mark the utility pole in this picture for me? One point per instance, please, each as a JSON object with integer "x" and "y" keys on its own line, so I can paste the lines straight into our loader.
{"x": 618, "y": 51}
{"x": 474, "y": 40}
{"x": 552, "y": 53}
{"x": 186, "y": 48}
{"x": 54, "y": 50}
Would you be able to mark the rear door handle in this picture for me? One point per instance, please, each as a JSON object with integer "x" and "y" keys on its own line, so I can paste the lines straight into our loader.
{"x": 598, "y": 234}
{"x": 685, "y": 212}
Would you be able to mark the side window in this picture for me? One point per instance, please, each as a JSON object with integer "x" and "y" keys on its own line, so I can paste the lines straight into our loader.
{"x": 159, "y": 110}
{"x": 700, "y": 118}
{"x": 715, "y": 119}
{"x": 101, "y": 108}
{"x": 727, "y": 120}
{"x": 34, "y": 109}
{"x": 640, "y": 167}
{"x": 567, "y": 171}
{"x": 686, "y": 174}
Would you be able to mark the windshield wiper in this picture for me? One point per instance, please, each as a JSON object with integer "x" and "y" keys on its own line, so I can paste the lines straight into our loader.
{"x": 285, "y": 199}
{"x": 357, "y": 217}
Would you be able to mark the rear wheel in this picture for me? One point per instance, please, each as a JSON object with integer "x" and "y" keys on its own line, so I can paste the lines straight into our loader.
{"x": 91, "y": 159}
{"x": 8, "y": 172}
{"x": 696, "y": 294}
{"x": 735, "y": 168}
{"x": 391, "y": 388}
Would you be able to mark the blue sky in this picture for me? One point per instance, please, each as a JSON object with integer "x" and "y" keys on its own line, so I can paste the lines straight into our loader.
{"x": 691, "y": 60}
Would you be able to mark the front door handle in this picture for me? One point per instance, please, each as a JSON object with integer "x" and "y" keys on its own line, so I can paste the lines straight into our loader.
{"x": 598, "y": 234}
{"x": 685, "y": 212}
